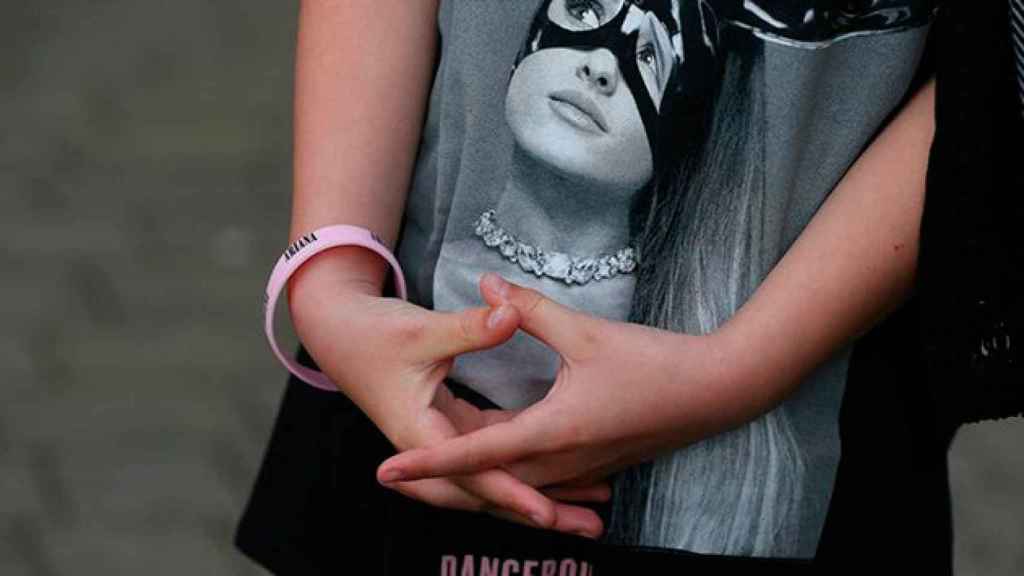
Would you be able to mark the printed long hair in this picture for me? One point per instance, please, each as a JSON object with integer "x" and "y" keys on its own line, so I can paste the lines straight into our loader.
{"x": 700, "y": 238}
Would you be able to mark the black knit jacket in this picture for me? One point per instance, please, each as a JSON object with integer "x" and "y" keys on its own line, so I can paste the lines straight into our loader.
{"x": 969, "y": 291}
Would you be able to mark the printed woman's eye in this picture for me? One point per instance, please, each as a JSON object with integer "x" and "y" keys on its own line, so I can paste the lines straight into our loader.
{"x": 589, "y": 13}
{"x": 648, "y": 56}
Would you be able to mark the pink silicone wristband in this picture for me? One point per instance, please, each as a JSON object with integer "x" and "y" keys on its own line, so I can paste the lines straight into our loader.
{"x": 295, "y": 256}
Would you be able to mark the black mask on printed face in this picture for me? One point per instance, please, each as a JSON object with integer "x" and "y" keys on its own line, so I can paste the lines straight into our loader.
{"x": 615, "y": 25}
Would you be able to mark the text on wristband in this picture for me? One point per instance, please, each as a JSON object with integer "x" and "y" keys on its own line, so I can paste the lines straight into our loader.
{"x": 299, "y": 244}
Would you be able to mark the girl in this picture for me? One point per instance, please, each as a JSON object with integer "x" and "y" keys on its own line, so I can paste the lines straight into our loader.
{"x": 725, "y": 346}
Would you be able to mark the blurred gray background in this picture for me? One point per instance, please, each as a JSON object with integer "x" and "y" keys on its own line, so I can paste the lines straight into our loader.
{"x": 144, "y": 194}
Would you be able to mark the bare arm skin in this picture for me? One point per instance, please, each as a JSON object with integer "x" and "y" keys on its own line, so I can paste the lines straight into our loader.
{"x": 363, "y": 75}
{"x": 853, "y": 264}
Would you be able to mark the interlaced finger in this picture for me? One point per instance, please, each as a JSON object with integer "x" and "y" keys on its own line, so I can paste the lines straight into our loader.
{"x": 486, "y": 448}
{"x": 445, "y": 493}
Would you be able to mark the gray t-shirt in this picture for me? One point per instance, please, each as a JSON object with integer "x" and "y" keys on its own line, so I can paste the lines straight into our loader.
{"x": 547, "y": 119}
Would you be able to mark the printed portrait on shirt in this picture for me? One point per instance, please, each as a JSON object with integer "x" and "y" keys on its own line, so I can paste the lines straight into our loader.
{"x": 613, "y": 69}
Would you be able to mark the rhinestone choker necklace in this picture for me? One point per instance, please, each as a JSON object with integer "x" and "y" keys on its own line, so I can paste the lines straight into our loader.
{"x": 557, "y": 265}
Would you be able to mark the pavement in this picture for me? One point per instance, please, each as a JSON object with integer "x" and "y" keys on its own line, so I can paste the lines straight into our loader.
{"x": 144, "y": 195}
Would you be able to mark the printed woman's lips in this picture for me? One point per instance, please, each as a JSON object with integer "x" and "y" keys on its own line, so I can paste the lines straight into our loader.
{"x": 579, "y": 109}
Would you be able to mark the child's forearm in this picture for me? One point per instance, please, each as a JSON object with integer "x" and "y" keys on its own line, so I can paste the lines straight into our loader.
{"x": 362, "y": 79}
{"x": 852, "y": 265}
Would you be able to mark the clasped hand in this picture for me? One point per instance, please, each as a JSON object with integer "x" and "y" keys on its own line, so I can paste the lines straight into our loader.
{"x": 619, "y": 398}
{"x": 391, "y": 357}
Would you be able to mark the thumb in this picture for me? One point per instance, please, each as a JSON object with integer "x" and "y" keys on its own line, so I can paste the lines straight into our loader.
{"x": 449, "y": 334}
{"x": 560, "y": 327}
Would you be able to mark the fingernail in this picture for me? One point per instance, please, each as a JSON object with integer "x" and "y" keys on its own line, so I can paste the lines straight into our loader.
{"x": 499, "y": 284}
{"x": 497, "y": 315}
{"x": 538, "y": 519}
{"x": 391, "y": 475}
